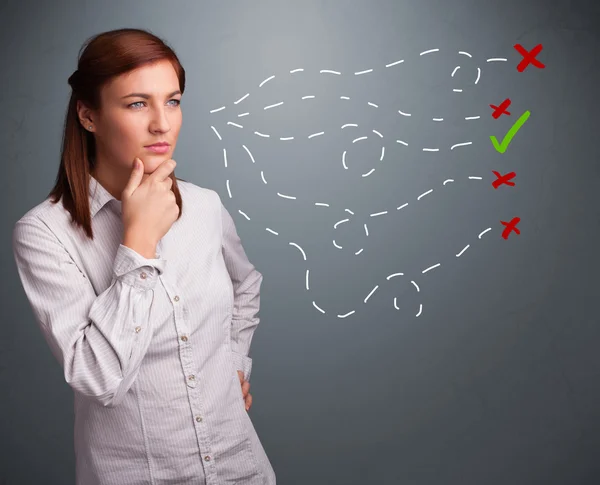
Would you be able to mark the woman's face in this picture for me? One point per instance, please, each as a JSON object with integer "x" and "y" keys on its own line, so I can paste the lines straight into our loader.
{"x": 138, "y": 109}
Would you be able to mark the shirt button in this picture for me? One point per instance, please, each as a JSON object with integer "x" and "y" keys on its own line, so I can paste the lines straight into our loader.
{"x": 207, "y": 458}
{"x": 176, "y": 298}
{"x": 198, "y": 418}
{"x": 137, "y": 329}
{"x": 184, "y": 338}
{"x": 191, "y": 377}
{"x": 143, "y": 276}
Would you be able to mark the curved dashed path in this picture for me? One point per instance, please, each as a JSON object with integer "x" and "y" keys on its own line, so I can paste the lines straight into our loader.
{"x": 458, "y": 144}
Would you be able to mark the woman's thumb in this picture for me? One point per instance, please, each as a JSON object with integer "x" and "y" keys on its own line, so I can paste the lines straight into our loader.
{"x": 136, "y": 176}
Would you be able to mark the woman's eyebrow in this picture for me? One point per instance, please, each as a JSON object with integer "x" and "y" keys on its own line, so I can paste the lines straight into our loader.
{"x": 148, "y": 96}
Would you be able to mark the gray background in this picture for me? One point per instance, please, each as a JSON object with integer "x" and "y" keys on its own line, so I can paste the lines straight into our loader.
{"x": 496, "y": 381}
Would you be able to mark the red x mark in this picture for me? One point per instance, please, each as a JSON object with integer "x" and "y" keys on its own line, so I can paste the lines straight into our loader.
{"x": 511, "y": 226}
{"x": 503, "y": 179}
{"x": 529, "y": 57}
{"x": 500, "y": 110}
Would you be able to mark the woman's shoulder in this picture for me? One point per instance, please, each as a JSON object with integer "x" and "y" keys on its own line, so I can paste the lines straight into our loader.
{"x": 46, "y": 212}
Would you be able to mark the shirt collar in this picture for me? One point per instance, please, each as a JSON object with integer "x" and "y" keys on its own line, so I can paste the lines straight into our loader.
{"x": 99, "y": 197}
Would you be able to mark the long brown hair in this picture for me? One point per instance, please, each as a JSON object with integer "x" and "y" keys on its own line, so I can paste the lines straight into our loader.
{"x": 104, "y": 56}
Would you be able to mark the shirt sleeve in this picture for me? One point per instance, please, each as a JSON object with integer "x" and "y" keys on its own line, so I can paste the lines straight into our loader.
{"x": 99, "y": 341}
{"x": 246, "y": 282}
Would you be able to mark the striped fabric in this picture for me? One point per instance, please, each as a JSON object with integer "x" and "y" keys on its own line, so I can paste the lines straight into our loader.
{"x": 150, "y": 347}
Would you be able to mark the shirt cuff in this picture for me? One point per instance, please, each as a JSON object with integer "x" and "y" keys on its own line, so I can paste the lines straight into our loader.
{"x": 243, "y": 363}
{"x": 136, "y": 270}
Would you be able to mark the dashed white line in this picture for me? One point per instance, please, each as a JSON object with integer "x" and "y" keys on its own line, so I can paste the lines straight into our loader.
{"x": 483, "y": 232}
{"x": 461, "y": 145}
{"x": 273, "y": 105}
{"x": 216, "y": 133}
{"x": 369, "y": 295}
{"x": 463, "y": 250}
{"x": 242, "y": 98}
{"x": 389, "y": 277}
{"x": 301, "y": 250}
{"x": 368, "y": 173}
{"x": 424, "y": 194}
{"x": 248, "y": 152}
{"x": 265, "y": 81}
{"x": 394, "y": 63}
{"x": 430, "y": 268}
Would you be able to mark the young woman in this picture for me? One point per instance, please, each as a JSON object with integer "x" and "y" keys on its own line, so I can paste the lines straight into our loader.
{"x": 140, "y": 284}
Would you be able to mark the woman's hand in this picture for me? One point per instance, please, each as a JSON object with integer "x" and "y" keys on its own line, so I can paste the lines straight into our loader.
{"x": 245, "y": 390}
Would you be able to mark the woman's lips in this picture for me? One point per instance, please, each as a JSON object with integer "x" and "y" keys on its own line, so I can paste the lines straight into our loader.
{"x": 159, "y": 148}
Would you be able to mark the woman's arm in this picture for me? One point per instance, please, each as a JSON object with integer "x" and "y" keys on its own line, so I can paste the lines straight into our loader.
{"x": 99, "y": 341}
{"x": 246, "y": 282}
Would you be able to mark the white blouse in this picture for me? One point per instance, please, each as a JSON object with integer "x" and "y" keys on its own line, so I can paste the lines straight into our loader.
{"x": 150, "y": 347}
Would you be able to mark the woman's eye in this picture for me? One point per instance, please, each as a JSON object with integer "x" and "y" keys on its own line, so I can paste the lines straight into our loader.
{"x": 177, "y": 102}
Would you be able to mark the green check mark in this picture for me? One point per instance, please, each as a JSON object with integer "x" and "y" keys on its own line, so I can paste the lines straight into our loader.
{"x": 501, "y": 147}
